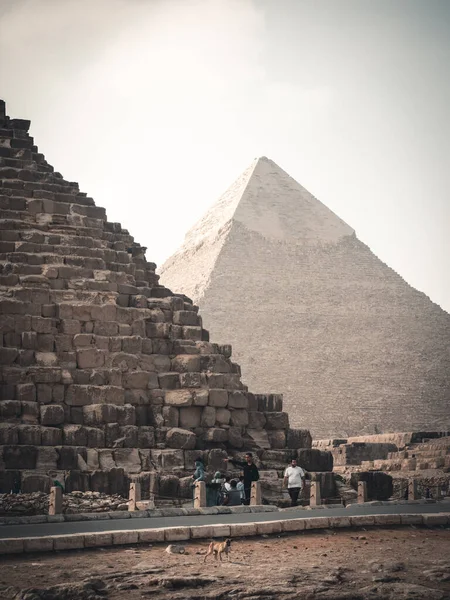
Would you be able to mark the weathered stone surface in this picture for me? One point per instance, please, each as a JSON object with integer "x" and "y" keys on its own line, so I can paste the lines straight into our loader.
{"x": 379, "y": 485}
{"x": 314, "y": 267}
{"x": 180, "y": 438}
{"x": 107, "y": 375}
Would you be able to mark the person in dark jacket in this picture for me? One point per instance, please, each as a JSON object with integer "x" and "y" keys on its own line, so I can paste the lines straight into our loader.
{"x": 250, "y": 471}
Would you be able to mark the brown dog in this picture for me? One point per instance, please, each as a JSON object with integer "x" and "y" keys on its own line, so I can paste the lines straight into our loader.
{"x": 219, "y": 548}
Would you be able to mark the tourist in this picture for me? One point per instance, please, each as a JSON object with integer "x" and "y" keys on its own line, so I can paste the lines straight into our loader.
{"x": 233, "y": 495}
{"x": 199, "y": 474}
{"x": 240, "y": 487}
{"x": 250, "y": 471}
{"x": 293, "y": 478}
{"x": 227, "y": 484}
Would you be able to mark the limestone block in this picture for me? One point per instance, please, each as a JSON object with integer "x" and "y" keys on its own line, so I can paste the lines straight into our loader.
{"x": 31, "y": 482}
{"x": 192, "y": 380}
{"x": 126, "y": 415}
{"x": 99, "y": 414}
{"x": 298, "y": 438}
{"x": 26, "y": 392}
{"x": 168, "y": 460}
{"x": 276, "y": 420}
{"x": 46, "y": 359}
{"x": 218, "y": 398}
{"x": 268, "y": 527}
{"x": 235, "y": 438}
{"x": 124, "y": 537}
{"x": 97, "y": 540}
{"x": 293, "y": 525}
{"x": 168, "y": 486}
{"x": 276, "y": 459}
{"x": 171, "y": 416}
{"x": 202, "y": 531}
{"x": 29, "y": 434}
{"x": 10, "y": 409}
{"x": 69, "y": 542}
{"x": 436, "y": 519}
{"x": 241, "y": 530}
{"x": 180, "y": 438}
{"x": 208, "y": 417}
{"x": 51, "y": 436}
{"x": 338, "y": 522}
{"x": 90, "y": 358}
{"x": 200, "y": 397}
{"x": 277, "y": 439}
{"x": 151, "y": 536}
{"x": 169, "y": 381}
{"x": 95, "y": 437}
{"x": 38, "y": 544}
{"x": 412, "y": 519}
{"x": 74, "y": 435}
{"x": 259, "y": 437}
{"x": 317, "y": 523}
{"x": 11, "y": 546}
{"x": 190, "y": 417}
{"x": 390, "y": 519}
{"x": 178, "y": 397}
{"x": 186, "y": 363}
{"x": 177, "y": 534}
{"x": 256, "y": 419}
{"x": 136, "y": 380}
{"x": 52, "y": 414}
{"x": 92, "y": 460}
{"x": 214, "y": 362}
{"x": 223, "y": 416}
{"x": 127, "y": 459}
{"x": 221, "y": 531}
{"x": 239, "y": 418}
{"x": 216, "y": 434}
{"x": 9, "y": 434}
{"x": 47, "y": 459}
{"x": 146, "y": 437}
{"x": 315, "y": 460}
{"x": 237, "y": 399}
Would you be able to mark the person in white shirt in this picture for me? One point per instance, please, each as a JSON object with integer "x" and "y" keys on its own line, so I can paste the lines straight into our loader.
{"x": 293, "y": 477}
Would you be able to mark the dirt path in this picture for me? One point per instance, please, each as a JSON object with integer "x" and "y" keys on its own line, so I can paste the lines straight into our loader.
{"x": 352, "y": 565}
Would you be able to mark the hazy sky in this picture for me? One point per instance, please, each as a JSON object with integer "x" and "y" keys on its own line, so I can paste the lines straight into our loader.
{"x": 156, "y": 106}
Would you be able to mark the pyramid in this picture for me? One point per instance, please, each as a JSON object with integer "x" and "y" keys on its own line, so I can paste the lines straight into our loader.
{"x": 312, "y": 312}
{"x": 106, "y": 374}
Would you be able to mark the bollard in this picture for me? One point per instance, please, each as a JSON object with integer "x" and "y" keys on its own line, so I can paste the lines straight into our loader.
{"x": 255, "y": 494}
{"x": 315, "y": 497}
{"x": 55, "y": 501}
{"x": 200, "y": 494}
{"x": 413, "y": 490}
{"x": 362, "y": 492}
{"x": 134, "y": 495}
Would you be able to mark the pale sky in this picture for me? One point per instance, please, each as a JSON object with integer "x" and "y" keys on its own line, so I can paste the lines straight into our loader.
{"x": 156, "y": 106}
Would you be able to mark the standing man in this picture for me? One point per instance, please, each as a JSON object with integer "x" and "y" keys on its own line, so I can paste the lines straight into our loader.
{"x": 293, "y": 478}
{"x": 250, "y": 471}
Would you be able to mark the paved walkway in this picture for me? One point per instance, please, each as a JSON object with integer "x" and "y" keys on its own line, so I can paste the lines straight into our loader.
{"x": 42, "y": 529}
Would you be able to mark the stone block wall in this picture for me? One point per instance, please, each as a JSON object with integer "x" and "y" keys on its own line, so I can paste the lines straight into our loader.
{"x": 105, "y": 373}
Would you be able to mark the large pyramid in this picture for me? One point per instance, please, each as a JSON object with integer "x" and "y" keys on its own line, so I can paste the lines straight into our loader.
{"x": 106, "y": 374}
{"x": 312, "y": 312}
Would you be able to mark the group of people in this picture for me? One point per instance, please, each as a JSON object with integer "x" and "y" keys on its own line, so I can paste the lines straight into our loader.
{"x": 232, "y": 492}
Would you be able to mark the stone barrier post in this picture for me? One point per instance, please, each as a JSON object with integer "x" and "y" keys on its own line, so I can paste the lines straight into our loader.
{"x": 134, "y": 495}
{"x": 255, "y": 494}
{"x": 413, "y": 490}
{"x": 200, "y": 494}
{"x": 362, "y": 492}
{"x": 315, "y": 496}
{"x": 55, "y": 501}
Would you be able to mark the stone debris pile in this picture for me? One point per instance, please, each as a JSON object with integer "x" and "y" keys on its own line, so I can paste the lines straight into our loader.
{"x": 106, "y": 375}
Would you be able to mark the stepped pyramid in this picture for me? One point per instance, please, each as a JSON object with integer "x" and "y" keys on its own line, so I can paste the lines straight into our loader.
{"x": 106, "y": 374}
{"x": 311, "y": 311}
